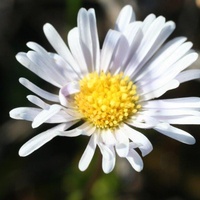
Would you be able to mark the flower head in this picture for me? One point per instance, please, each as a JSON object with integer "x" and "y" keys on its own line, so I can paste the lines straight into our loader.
{"x": 112, "y": 90}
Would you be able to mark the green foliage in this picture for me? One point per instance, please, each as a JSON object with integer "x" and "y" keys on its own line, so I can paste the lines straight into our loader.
{"x": 72, "y": 7}
{"x": 91, "y": 184}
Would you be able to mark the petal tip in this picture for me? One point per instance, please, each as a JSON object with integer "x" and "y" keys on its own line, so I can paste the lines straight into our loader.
{"x": 191, "y": 141}
{"x": 11, "y": 113}
{"x": 47, "y": 27}
{"x": 81, "y": 168}
{"x": 22, "y": 153}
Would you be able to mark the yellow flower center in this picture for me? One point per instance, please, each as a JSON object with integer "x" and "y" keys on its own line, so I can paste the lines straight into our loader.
{"x": 106, "y": 100}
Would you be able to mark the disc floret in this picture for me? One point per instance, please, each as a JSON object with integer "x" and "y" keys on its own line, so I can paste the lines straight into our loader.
{"x": 106, "y": 100}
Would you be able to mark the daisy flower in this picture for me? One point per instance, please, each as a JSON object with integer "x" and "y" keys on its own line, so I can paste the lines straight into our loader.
{"x": 109, "y": 93}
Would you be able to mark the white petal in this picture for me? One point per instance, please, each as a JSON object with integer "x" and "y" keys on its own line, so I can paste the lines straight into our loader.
{"x": 87, "y": 129}
{"x": 24, "y": 113}
{"x": 58, "y": 63}
{"x": 29, "y": 114}
{"x": 122, "y": 145}
{"x": 108, "y": 137}
{"x": 156, "y": 84}
{"x": 46, "y": 114}
{"x": 135, "y": 160}
{"x": 126, "y": 16}
{"x": 159, "y": 112}
{"x": 156, "y": 34}
{"x": 77, "y": 52}
{"x": 95, "y": 40}
{"x": 134, "y": 36}
{"x": 36, "y": 47}
{"x": 168, "y": 63}
{"x": 70, "y": 88}
{"x": 119, "y": 56}
{"x": 188, "y": 75}
{"x": 106, "y": 152}
{"x": 175, "y": 133}
{"x": 155, "y": 93}
{"x": 132, "y": 31}
{"x": 84, "y": 129}
{"x": 64, "y": 68}
{"x": 46, "y": 62}
{"x": 109, "y": 48}
{"x": 108, "y": 160}
{"x": 181, "y": 119}
{"x": 89, "y": 38}
{"x": 64, "y": 115}
{"x": 108, "y": 165}
{"x": 40, "y": 92}
{"x": 58, "y": 44}
{"x": 62, "y": 118}
{"x": 142, "y": 121}
{"x": 160, "y": 57}
{"x": 171, "y": 73}
{"x": 71, "y": 133}
{"x": 66, "y": 91}
{"x": 88, "y": 154}
{"x": 180, "y": 65}
{"x": 38, "y": 70}
{"x": 156, "y": 44}
{"x": 157, "y": 23}
{"x": 37, "y": 101}
{"x": 41, "y": 139}
{"x": 186, "y": 102}
{"x": 48, "y": 65}
{"x": 147, "y": 22}
{"x": 143, "y": 143}
{"x": 85, "y": 38}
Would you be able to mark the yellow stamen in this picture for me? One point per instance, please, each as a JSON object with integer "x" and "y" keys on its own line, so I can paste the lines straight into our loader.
{"x": 107, "y": 100}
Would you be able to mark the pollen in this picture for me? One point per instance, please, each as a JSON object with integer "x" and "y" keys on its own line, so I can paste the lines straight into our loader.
{"x": 107, "y": 100}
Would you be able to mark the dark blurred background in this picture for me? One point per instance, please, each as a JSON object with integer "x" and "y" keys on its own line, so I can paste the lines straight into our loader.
{"x": 171, "y": 170}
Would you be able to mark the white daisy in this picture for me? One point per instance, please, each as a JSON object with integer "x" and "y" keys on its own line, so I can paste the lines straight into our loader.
{"x": 111, "y": 89}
